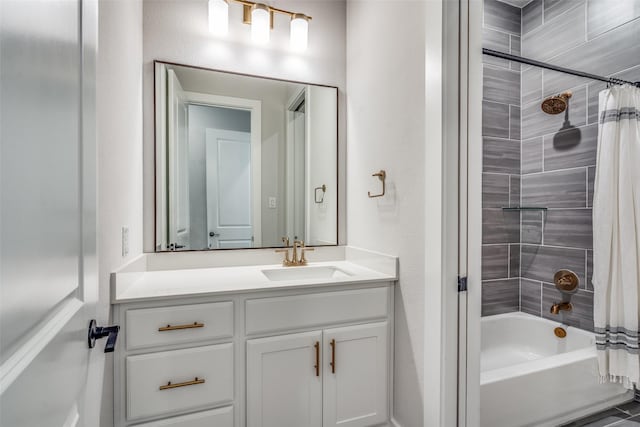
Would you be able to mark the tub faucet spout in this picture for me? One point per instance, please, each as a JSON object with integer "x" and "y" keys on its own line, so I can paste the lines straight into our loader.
{"x": 560, "y": 306}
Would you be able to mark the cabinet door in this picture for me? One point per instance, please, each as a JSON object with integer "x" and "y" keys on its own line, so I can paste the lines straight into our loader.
{"x": 284, "y": 387}
{"x": 356, "y": 375}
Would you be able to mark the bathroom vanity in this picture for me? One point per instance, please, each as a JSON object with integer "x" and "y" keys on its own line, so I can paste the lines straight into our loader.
{"x": 234, "y": 338}
{"x": 255, "y": 345}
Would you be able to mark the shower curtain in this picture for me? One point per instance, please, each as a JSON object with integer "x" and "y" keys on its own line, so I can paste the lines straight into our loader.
{"x": 616, "y": 236}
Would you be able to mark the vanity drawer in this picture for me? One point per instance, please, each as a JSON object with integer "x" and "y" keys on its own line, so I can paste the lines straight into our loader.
{"x": 179, "y": 380}
{"x": 315, "y": 310}
{"x": 149, "y": 327}
{"x": 222, "y": 417}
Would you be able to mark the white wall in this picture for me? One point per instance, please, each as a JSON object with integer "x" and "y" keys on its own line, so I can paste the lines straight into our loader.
{"x": 320, "y": 112}
{"x": 386, "y": 112}
{"x": 405, "y": 54}
{"x": 119, "y": 127}
{"x": 177, "y": 31}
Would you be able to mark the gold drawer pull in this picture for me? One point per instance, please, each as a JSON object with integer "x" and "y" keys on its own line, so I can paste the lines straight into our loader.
{"x": 184, "y": 384}
{"x": 332, "y": 343}
{"x": 178, "y": 327}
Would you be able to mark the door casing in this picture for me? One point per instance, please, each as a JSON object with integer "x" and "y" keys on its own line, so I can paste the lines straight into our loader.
{"x": 471, "y": 191}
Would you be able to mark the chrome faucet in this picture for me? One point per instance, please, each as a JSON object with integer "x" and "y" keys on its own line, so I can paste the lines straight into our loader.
{"x": 561, "y": 306}
{"x": 295, "y": 260}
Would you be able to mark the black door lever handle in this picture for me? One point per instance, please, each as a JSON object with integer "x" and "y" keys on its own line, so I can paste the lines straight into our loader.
{"x": 97, "y": 332}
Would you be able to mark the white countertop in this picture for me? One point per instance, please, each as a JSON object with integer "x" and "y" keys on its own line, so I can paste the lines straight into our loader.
{"x": 142, "y": 285}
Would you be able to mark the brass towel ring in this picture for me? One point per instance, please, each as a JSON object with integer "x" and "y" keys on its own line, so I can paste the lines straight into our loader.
{"x": 382, "y": 176}
{"x": 324, "y": 190}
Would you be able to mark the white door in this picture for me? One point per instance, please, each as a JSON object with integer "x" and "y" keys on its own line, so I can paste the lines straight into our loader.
{"x": 228, "y": 187}
{"x": 178, "y": 148}
{"x": 355, "y": 375}
{"x": 48, "y": 284}
{"x": 284, "y": 381}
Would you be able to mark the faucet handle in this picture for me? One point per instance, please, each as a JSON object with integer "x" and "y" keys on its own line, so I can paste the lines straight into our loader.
{"x": 285, "y": 241}
{"x": 286, "y": 261}
{"x": 303, "y": 250}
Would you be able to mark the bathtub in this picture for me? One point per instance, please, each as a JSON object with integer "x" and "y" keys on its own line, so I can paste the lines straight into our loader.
{"x": 529, "y": 377}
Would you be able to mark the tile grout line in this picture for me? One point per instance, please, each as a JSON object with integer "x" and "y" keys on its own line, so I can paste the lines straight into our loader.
{"x": 499, "y": 138}
{"x": 541, "y": 292}
{"x": 496, "y": 173}
{"x": 542, "y": 229}
{"x": 520, "y": 195}
{"x": 586, "y": 22}
{"x": 519, "y": 294}
{"x": 576, "y": 168}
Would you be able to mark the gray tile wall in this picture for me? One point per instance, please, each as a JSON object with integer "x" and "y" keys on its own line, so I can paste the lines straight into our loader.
{"x": 550, "y": 158}
{"x": 501, "y": 160}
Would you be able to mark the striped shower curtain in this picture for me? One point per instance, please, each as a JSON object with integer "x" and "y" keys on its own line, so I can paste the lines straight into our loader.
{"x": 616, "y": 236}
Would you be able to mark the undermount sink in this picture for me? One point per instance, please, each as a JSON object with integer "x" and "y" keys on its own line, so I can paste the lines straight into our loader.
{"x": 305, "y": 273}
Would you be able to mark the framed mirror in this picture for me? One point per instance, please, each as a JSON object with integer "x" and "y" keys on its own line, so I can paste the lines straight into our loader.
{"x": 243, "y": 161}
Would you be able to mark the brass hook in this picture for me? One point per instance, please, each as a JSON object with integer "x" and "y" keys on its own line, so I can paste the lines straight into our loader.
{"x": 382, "y": 175}
{"x": 324, "y": 190}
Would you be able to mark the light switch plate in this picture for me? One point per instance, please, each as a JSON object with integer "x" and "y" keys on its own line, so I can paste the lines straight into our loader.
{"x": 272, "y": 203}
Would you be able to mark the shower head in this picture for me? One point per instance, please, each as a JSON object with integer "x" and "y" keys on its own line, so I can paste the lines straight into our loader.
{"x": 556, "y": 104}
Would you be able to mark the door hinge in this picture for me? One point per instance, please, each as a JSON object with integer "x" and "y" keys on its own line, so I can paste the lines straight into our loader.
{"x": 462, "y": 284}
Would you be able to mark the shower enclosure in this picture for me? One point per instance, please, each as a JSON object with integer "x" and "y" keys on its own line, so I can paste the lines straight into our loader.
{"x": 544, "y": 63}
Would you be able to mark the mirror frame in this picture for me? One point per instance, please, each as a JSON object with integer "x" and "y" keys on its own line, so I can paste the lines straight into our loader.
{"x": 155, "y": 154}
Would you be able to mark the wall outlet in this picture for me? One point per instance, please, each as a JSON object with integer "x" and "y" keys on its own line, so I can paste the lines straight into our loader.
{"x": 272, "y": 203}
{"x": 125, "y": 241}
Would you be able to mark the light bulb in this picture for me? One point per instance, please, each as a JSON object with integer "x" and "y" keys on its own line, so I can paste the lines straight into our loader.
{"x": 260, "y": 23}
{"x": 299, "y": 34}
{"x": 219, "y": 17}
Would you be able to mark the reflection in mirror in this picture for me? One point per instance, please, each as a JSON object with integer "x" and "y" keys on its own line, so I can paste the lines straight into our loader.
{"x": 243, "y": 161}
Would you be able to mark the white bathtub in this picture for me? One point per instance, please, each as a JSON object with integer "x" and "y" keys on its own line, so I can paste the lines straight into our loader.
{"x": 529, "y": 377}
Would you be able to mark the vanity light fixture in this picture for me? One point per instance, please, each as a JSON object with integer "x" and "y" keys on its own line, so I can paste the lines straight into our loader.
{"x": 299, "y": 31}
{"x": 260, "y": 23}
{"x": 219, "y": 17}
{"x": 260, "y": 17}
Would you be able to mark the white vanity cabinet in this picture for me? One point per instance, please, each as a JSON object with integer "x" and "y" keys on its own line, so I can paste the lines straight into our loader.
{"x": 174, "y": 358}
{"x": 334, "y": 377}
{"x": 284, "y": 386}
{"x": 356, "y": 375}
{"x": 313, "y": 356}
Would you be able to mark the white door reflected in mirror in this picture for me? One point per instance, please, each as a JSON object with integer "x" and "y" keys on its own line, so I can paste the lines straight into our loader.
{"x": 228, "y": 186}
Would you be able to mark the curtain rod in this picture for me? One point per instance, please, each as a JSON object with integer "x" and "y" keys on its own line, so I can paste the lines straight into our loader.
{"x": 540, "y": 64}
